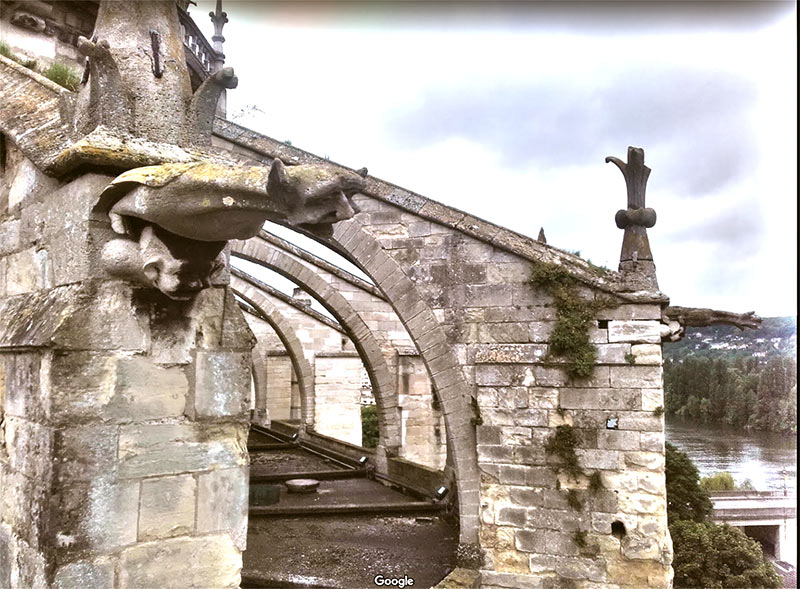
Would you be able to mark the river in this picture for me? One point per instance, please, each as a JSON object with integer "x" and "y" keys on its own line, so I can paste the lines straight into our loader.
{"x": 758, "y": 456}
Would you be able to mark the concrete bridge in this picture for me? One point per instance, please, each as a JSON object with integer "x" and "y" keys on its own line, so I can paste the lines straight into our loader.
{"x": 769, "y": 517}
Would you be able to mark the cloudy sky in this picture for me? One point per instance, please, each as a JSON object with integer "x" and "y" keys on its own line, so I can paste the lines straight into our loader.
{"x": 507, "y": 111}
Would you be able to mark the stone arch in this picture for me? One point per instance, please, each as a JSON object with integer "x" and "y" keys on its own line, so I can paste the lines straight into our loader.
{"x": 383, "y": 381}
{"x": 283, "y": 328}
{"x": 356, "y": 244}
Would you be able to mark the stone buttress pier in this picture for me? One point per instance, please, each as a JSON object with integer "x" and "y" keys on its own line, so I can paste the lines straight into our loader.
{"x": 125, "y": 362}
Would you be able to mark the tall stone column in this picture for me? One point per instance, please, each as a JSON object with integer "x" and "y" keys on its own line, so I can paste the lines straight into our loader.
{"x": 123, "y": 457}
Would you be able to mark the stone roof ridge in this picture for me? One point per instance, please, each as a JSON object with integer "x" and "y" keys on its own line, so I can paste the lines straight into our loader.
{"x": 486, "y": 231}
{"x": 321, "y": 263}
{"x": 283, "y": 297}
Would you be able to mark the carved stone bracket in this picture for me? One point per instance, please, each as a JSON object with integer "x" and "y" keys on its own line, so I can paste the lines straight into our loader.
{"x": 694, "y": 317}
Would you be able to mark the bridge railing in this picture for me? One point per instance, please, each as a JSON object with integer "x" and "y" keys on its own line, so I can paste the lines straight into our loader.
{"x": 744, "y": 494}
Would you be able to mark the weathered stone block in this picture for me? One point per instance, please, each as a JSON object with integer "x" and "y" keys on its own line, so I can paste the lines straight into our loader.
{"x": 167, "y": 507}
{"x": 600, "y": 459}
{"x": 22, "y": 391}
{"x": 509, "y": 353}
{"x": 91, "y": 386}
{"x": 23, "y": 273}
{"x": 645, "y": 460}
{"x": 222, "y": 384}
{"x": 162, "y": 449}
{"x": 29, "y": 447}
{"x": 612, "y": 353}
{"x": 617, "y": 440}
{"x": 82, "y": 574}
{"x": 543, "y": 398}
{"x": 652, "y": 399}
{"x": 524, "y": 497}
{"x": 492, "y": 579}
{"x": 647, "y": 354}
{"x": 546, "y": 542}
{"x": 9, "y": 236}
{"x": 107, "y": 317}
{"x": 511, "y": 516}
{"x": 554, "y": 519}
{"x": 82, "y": 453}
{"x": 600, "y": 398}
{"x": 636, "y": 376}
{"x": 651, "y": 482}
{"x": 222, "y": 497}
{"x": 642, "y": 504}
{"x": 651, "y": 441}
{"x": 101, "y": 515}
{"x": 207, "y": 561}
{"x": 628, "y": 312}
{"x": 644, "y": 332}
{"x": 581, "y": 568}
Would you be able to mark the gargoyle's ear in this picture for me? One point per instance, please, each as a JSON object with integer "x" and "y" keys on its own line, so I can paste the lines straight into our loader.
{"x": 277, "y": 174}
{"x": 152, "y": 269}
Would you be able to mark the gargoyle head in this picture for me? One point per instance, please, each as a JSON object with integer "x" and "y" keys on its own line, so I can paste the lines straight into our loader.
{"x": 315, "y": 197}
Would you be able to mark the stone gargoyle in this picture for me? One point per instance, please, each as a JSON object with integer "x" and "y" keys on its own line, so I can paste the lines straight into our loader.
{"x": 174, "y": 219}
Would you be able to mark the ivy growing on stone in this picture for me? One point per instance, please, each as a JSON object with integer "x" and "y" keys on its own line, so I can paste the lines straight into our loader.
{"x": 562, "y": 445}
{"x": 574, "y": 315}
{"x": 595, "y": 482}
{"x": 573, "y": 500}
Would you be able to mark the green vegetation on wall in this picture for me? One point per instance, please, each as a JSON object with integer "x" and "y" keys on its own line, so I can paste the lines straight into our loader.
{"x": 574, "y": 316}
{"x": 60, "y": 74}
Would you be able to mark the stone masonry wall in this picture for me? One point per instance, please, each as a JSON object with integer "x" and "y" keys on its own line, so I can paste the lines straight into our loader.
{"x": 422, "y": 422}
{"x": 123, "y": 422}
{"x": 499, "y": 325}
{"x": 337, "y": 392}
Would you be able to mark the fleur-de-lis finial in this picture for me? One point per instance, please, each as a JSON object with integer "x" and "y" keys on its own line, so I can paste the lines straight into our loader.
{"x": 635, "y": 255}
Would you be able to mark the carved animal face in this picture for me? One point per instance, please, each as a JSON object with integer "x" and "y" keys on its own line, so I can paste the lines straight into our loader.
{"x": 177, "y": 266}
{"x": 314, "y": 196}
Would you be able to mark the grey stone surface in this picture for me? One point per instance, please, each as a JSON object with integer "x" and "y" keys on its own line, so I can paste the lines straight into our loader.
{"x": 222, "y": 503}
{"x": 162, "y": 449}
{"x": 82, "y": 574}
{"x": 167, "y": 507}
{"x": 205, "y": 561}
{"x": 222, "y": 384}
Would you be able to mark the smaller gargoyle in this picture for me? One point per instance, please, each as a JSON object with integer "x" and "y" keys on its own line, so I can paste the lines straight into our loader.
{"x": 176, "y": 266}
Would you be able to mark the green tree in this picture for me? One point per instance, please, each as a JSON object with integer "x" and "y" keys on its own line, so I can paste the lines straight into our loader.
{"x": 719, "y": 481}
{"x": 686, "y": 499}
{"x": 369, "y": 426}
{"x": 718, "y": 557}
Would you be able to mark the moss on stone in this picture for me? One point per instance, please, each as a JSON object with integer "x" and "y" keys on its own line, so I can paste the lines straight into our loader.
{"x": 574, "y": 500}
{"x": 562, "y": 445}
{"x": 595, "y": 482}
{"x": 579, "y": 537}
{"x": 63, "y": 76}
{"x": 570, "y": 336}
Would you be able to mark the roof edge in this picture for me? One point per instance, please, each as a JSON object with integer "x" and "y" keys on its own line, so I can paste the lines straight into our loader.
{"x": 526, "y": 247}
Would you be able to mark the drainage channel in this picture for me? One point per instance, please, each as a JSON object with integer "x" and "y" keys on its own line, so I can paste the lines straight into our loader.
{"x": 342, "y": 533}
